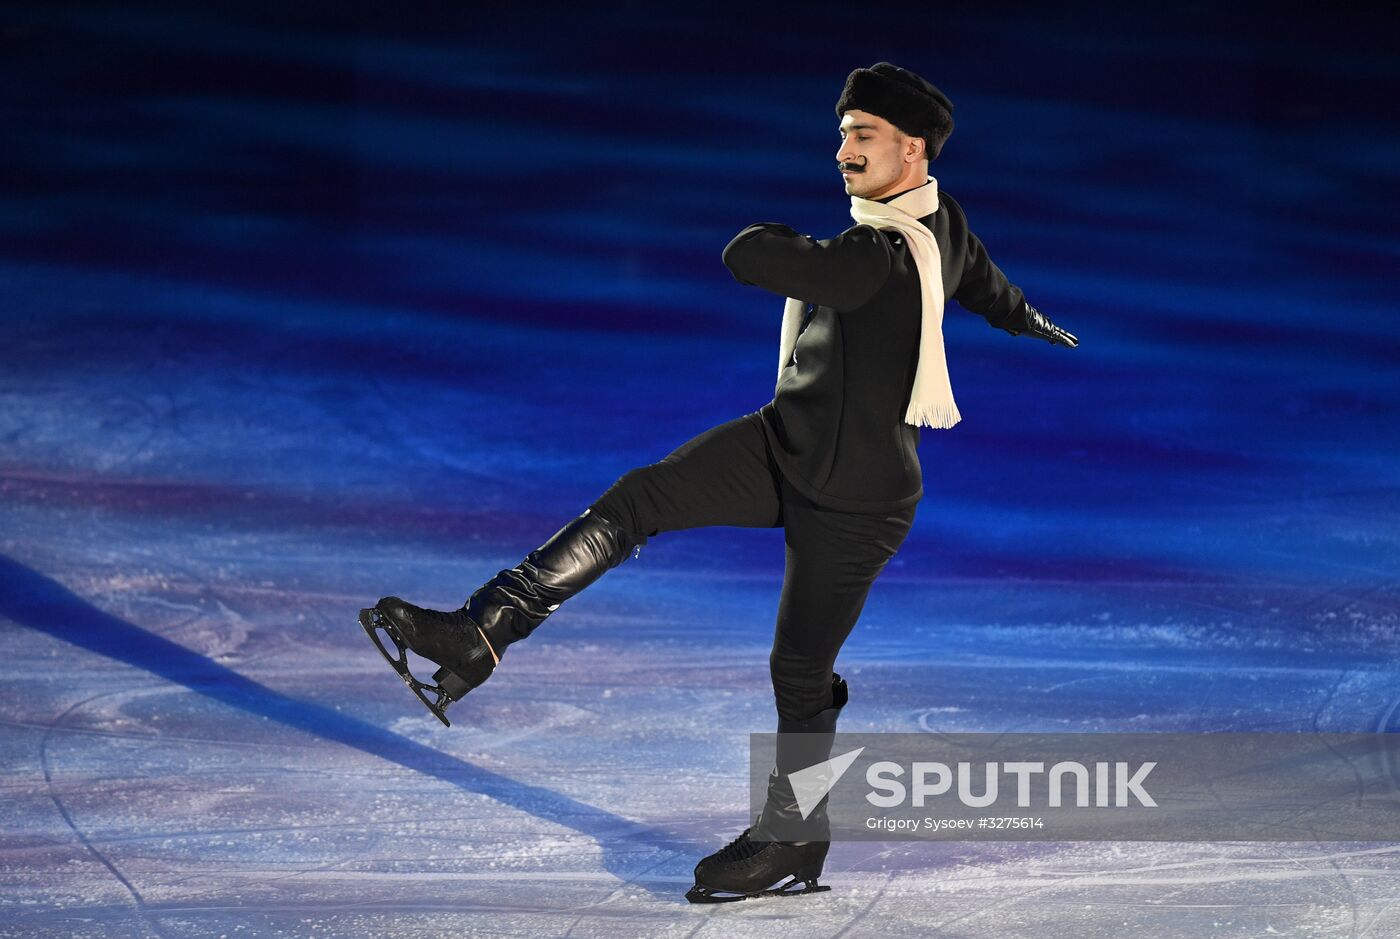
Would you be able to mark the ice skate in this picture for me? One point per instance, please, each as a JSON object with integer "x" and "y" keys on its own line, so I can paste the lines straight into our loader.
{"x": 502, "y": 611}
{"x": 747, "y": 868}
{"x": 753, "y": 864}
{"x": 451, "y": 640}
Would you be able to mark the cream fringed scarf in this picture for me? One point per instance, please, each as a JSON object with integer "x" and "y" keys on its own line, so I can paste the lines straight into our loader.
{"x": 931, "y": 400}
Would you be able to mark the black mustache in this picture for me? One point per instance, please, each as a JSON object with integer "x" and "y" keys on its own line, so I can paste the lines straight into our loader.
{"x": 851, "y": 167}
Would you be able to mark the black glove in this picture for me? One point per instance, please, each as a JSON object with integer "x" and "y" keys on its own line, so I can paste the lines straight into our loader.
{"x": 1036, "y": 324}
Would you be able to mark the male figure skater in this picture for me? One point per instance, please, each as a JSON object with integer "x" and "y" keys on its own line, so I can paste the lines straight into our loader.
{"x": 832, "y": 458}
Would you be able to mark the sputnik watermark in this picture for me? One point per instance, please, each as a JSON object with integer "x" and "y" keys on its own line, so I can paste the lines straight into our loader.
{"x": 883, "y": 778}
{"x": 1132, "y": 787}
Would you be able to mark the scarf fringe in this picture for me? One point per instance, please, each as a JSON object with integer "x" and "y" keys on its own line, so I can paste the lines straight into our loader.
{"x": 939, "y": 417}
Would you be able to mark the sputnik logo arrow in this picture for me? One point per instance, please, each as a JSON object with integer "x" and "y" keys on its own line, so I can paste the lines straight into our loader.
{"x": 811, "y": 783}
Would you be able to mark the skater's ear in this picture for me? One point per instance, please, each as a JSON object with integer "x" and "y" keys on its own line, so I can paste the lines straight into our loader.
{"x": 912, "y": 148}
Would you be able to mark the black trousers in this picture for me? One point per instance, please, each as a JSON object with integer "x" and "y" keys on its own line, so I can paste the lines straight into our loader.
{"x": 727, "y": 476}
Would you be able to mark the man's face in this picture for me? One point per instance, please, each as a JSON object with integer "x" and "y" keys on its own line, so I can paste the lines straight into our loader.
{"x": 878, "y": 154}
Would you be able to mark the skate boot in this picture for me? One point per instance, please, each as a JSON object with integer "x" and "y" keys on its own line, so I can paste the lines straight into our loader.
{"x": 452, "y": 640}
{"x": 752, "y": 864}
{"x": 470, "y": 642}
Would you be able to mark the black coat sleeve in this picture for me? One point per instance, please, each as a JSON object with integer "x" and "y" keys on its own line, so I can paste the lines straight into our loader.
{"x": 985, "y": 290}
{"x": 842, "y": 272}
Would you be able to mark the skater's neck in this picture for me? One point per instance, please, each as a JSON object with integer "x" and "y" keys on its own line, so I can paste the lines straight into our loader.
{"x": 900, "y": 193}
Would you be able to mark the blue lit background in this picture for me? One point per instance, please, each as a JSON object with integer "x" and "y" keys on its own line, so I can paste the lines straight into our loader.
{"x": 301, "y": 307}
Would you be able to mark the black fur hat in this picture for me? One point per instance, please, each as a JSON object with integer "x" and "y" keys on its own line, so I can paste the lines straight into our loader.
{"x": 904, "y": 99}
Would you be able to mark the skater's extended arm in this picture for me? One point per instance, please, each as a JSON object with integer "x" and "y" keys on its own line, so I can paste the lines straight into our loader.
{"x": 985, "y": 290}
{"x": 842, "y": 272}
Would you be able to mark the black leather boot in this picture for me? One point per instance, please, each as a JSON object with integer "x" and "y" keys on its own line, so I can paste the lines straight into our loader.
{"x": 469, "y": 642}
{"x": 751, "y": 864}
{"x": 510, "y": 605}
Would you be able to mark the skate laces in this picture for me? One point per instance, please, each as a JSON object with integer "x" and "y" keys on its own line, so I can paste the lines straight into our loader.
{"x": 459, "y": 619}
{"x": 460, "y": 622}
{"x": 740, "y": 848}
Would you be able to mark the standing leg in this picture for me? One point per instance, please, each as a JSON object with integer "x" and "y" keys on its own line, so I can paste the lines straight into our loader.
{"x": 725, "y": 476}
{"x": 833, "y": 559}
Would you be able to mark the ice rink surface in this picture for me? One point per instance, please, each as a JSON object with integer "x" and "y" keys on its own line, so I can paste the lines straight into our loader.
{"x": 299, "y": 309}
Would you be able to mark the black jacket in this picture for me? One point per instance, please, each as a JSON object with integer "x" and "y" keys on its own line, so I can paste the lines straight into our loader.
{"x": 836, "y": 423}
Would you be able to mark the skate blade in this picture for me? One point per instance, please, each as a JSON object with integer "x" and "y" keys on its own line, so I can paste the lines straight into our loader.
{"x": 447, "y": 686}
{"x": 701, "y": 894}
